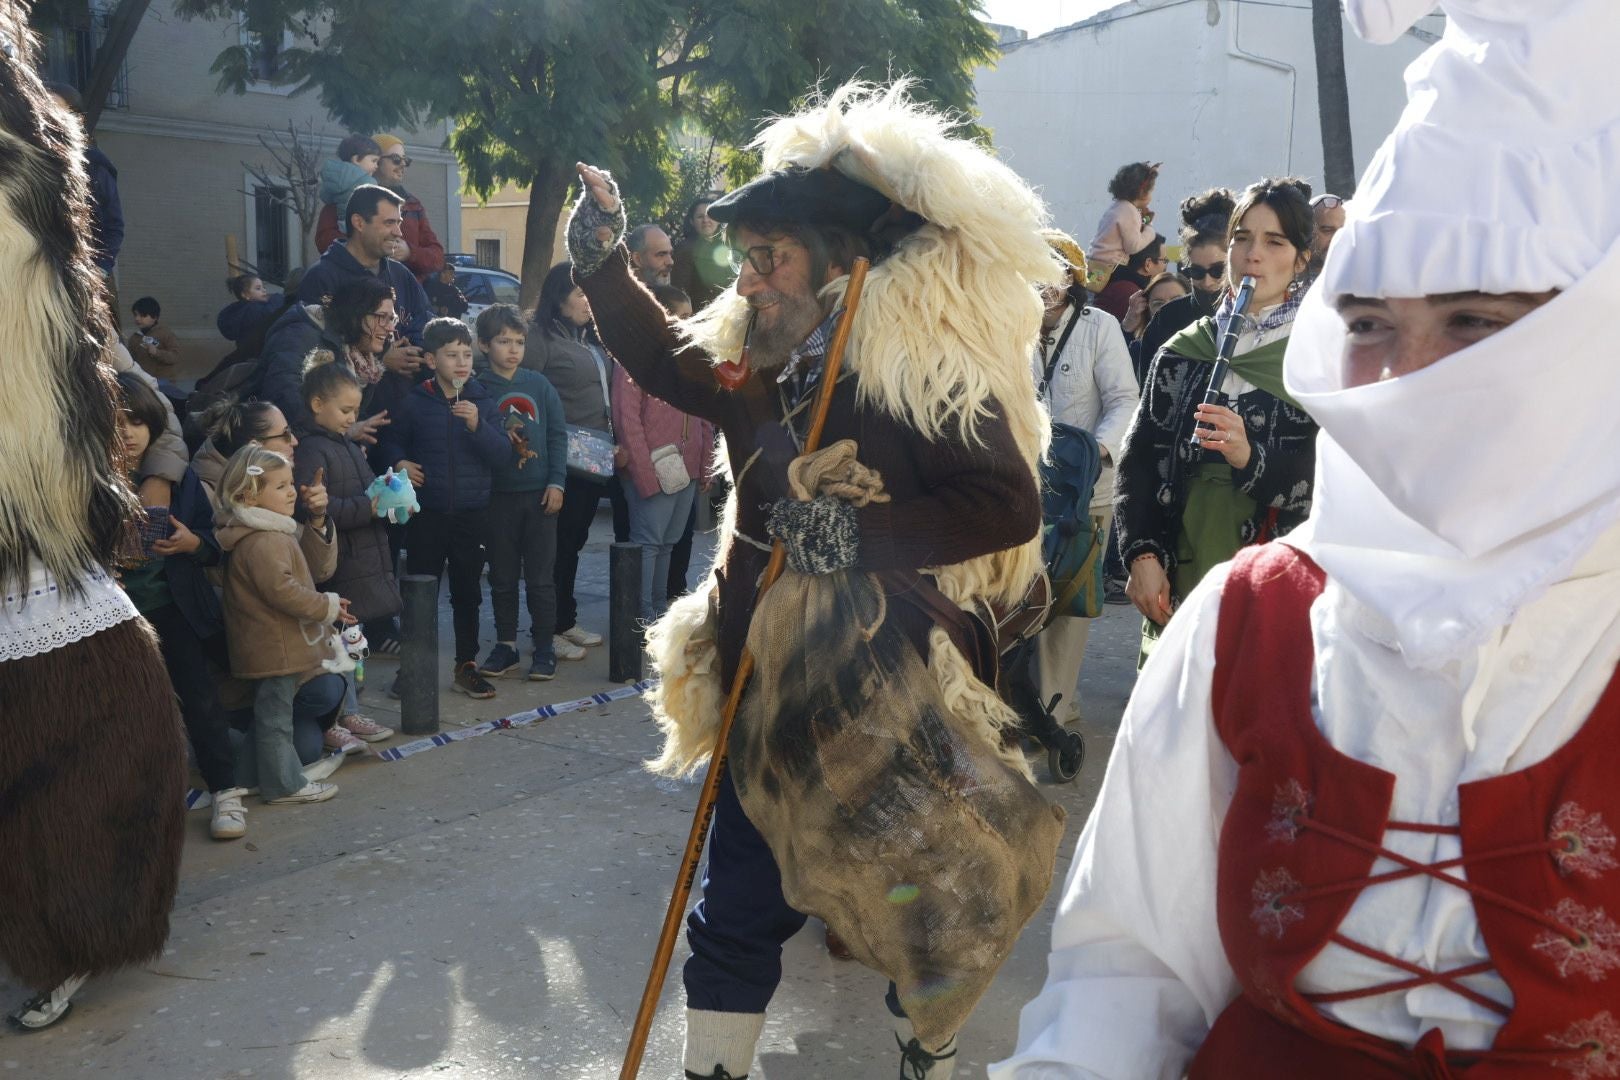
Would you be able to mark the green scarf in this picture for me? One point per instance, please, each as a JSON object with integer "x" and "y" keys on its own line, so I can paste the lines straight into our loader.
{"x": 1212, "y": 518}
{"x": 1263, "y": 366}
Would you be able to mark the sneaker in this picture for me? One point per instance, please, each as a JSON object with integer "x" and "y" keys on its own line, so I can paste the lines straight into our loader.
{"x": 393, "y": 688}
{"x": 338, "y": 740}
{"x": 314, "y": 791}
{"x": 365, "y": 728}
{"x": 43, "y": 1010}
{"x": 323, "y": 767}
{"x": 1114, "y": 592}
{"x": 502, "y": 660}
{"x": 563, "y": 649}
{"x": 230, "y": 819}
{"x": 469, "y": 682}
{"x": 542, "y": 667}
{"x": 578, "y": 635}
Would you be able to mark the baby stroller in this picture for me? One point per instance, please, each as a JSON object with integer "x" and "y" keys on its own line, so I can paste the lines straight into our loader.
{"x": 1072, "y": 549}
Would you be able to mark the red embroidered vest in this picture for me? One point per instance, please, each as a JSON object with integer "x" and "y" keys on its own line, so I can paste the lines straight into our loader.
{"x": 1306, "y": 826}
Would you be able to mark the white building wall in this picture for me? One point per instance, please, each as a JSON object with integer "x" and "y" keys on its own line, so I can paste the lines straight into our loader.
{"x": 1222, "y": 92}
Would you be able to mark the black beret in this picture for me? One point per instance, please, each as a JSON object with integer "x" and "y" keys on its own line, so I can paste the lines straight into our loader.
{"x": 800, "y": 196}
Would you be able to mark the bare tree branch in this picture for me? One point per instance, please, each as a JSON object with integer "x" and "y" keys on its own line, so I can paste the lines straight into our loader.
{"x": 296, "y": 186}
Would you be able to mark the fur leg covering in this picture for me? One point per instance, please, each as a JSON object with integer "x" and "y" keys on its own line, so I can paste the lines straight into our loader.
{"x": 92, "y": 770}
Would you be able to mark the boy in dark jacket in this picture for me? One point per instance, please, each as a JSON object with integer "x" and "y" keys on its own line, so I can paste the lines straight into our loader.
{"x": 446, "y": 436}
{"x": 528, "y": 492}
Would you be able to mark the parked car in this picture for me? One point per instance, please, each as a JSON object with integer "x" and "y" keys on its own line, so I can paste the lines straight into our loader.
{"x": 483, "y": 286}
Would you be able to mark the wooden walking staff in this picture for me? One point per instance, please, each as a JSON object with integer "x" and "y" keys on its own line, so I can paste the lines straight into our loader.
{"x": 745, "y": 668}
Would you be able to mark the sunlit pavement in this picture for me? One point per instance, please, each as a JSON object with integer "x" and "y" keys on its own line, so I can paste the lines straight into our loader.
{"x": 488, "y": 909}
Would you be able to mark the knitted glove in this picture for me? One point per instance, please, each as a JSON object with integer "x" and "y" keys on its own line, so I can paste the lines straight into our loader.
{"x": 588, "y": 250}
{"x": 822, "y": 536}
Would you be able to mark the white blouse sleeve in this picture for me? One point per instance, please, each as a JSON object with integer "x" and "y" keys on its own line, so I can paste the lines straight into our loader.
{"x": 1137, "y": 973}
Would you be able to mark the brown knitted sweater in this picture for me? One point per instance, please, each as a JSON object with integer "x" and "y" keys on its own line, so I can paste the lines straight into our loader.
{"x": 950, "y": 502}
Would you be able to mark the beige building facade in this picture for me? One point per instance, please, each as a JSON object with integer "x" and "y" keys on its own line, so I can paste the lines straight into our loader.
{"x": 183, "y": 151}
{"x": 493, "y": 231}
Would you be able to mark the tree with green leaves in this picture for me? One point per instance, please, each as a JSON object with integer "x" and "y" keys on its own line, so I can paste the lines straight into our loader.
{"x": 532, "y": 86}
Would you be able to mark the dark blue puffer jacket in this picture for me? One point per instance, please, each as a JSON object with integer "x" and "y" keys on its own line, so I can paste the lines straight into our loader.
{"x": 239, "y": 317}
{"x": 457, "y": 464}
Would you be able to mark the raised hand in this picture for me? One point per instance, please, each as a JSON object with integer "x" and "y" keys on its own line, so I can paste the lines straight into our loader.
{"x": 314, "y": 495}
{"x": 365, "y": 431}
{"x": 597, "y": 223}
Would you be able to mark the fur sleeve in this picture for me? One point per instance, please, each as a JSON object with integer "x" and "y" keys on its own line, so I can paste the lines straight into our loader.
{"x": 977, "y": 500}
{"x": 639, "y": 335}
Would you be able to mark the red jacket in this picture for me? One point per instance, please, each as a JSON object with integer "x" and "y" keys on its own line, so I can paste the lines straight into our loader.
{"x": 427, "y": 254}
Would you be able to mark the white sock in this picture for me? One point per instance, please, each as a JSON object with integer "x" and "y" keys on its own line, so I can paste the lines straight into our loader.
{"x": 721, "y": 1038}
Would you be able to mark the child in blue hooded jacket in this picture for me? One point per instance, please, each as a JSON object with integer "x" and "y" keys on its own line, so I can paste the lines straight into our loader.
{"x": 355, "y": 164}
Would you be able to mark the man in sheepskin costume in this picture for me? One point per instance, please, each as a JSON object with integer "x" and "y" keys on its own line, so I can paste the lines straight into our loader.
{"x": 933, "y": 517}
{"x": 92, "y": 763}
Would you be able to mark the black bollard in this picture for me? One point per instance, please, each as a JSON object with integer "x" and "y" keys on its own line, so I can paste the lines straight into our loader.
{"x": 624, "y": 613}
{"x": 419, "y": 655}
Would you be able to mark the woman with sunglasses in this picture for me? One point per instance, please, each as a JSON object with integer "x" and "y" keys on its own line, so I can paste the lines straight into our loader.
{"x": 1204, "y": 218}
{"x": 1197, "y": 482}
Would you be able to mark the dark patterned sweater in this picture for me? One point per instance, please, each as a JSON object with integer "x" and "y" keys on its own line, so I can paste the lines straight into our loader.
{"x": 1150, "y": 483}
{"x": 950, "y": 502}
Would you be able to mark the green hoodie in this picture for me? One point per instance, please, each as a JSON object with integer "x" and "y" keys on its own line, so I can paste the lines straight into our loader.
{"x": 528, "y": 404}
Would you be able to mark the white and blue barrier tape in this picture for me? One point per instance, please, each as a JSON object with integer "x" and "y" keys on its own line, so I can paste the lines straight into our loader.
{"x": 197, "y": 800}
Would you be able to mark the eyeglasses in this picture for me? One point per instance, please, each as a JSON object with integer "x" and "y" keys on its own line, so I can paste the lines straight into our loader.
{"x": 402, "y": 162}
{"x": 762, "y": 257}
{"x": 1214, "y": 270}
{"x": 1329, "y": 202}
{"x": 284, "y": 435}
{"x": 385, "y": 318}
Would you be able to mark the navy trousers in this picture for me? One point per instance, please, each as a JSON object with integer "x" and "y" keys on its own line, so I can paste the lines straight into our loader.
{"x": 737, "y": 930}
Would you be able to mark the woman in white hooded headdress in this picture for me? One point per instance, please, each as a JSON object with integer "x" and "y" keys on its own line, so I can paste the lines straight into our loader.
{"x": 1359, "y": 821}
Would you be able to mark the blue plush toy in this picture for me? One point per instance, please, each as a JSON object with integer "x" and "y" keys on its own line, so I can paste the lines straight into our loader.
{"x": 393, "y": 497}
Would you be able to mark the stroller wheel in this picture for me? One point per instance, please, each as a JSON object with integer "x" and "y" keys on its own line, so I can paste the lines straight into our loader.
{"x": 1063, "y": 761}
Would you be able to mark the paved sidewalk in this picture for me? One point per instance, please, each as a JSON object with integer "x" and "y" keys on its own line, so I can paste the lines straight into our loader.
{"x": 487, "y": 909}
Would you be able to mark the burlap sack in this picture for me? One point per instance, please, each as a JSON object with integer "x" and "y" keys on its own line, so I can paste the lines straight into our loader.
{"x": 892, "y": 818}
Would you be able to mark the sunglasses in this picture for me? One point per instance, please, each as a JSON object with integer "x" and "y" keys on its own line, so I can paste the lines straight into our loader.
{"x": 1330, "y": 201}
{"x": 1214, "y": 270}
{"x": 402, "y": 162}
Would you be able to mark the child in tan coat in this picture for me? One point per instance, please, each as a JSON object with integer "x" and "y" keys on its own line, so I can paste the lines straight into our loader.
{"x": 278, "y": 626}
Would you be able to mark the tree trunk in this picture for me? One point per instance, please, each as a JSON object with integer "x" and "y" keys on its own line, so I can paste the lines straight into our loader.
{"x": 121, "y": 27}
{"x": 547, "y": 193}
{"x": 1333, "y": 98}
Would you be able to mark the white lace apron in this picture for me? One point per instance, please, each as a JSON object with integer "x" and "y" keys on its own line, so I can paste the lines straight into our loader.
{"x": 41, "y": 617}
